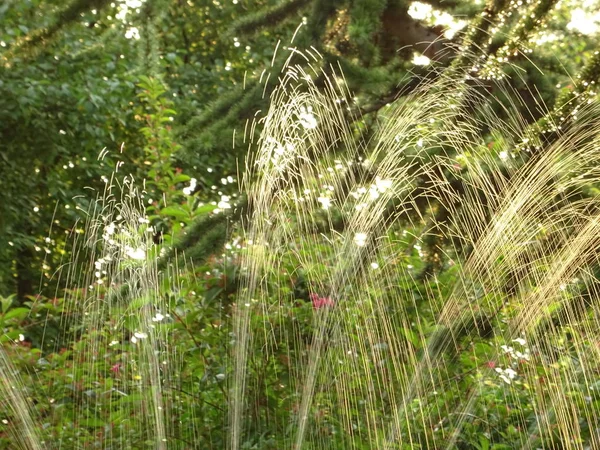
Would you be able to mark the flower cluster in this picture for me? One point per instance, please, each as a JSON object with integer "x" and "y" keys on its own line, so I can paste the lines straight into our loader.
{"x": 507, "y": 374}
{"x": 516, "y": 354}
{"x": 189, "y": 190}
{"x": 320, "y": 302}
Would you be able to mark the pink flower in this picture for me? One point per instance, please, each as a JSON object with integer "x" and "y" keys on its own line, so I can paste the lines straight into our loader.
{"x": 116, "y": 368}
{"x": 320, "y": 302}
{"x": 491, "y": 364}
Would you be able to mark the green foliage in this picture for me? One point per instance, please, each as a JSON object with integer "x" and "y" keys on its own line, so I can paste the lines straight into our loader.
{"x": 56, "y": 116}
{"x": 266, "y": 17}
{"x": 34, "y": 39}
{"x": 167, "y": 106}
{"x": 364, "y": 26}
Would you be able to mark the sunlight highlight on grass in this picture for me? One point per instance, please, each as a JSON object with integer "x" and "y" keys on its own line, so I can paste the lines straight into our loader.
{"x": 519, "y": 233}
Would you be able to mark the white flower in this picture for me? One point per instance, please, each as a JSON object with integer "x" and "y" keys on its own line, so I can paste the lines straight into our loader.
{"x": 134, "y": 3}
{"x": 506, "y": 375}
{"x": 138, "y": 335}
{"x": 109, "y": 229}
{"x": 224, "y": 203}
{"x": 137, "y": 253}
{"x": 190, "y": 189}
{"x": 307, "y": 119}
{"x": 373, "y": 193}
{"x": 360, "y": 239}
{"x": 420, "y": 60}
{"x": 520, "y": 341}
{"x": 507, "y": 349}
{"x": 383, "y": 185}
{"x": 132, "y": 33}
{"x": 524, "y": 356}
{"x": 325, "y": 202}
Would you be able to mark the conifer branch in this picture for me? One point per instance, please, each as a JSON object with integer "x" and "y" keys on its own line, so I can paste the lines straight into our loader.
{"x": 274, "y": 15}
{"x": 43, "y": 37}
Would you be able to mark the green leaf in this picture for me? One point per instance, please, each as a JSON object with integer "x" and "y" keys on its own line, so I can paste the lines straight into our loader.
{"x": 175, "y": 211}
{"x": 7, "y": 302}
{"x": 92, "y": 423}
{"x": 484, "y": 443}
{"x": 181, "y": 178}
{"x": 137, "y": 303}
{"x": 19, "y": 313}
{"x": 11, "y": 336}
{"x": 411, "y": 337}
{"x": 205, "y": 209}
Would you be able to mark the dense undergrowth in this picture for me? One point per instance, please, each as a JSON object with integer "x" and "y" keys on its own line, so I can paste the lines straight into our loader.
{"x": 332, "y": 318}
{"x": 424, "y": 277}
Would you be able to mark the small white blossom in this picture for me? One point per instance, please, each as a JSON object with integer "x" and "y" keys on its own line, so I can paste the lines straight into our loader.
{"x": 190, "y": 189}
{"x": 132, "y": 33}
{"x": 506, "y": 375}
{"x": 137, "y": 336}
{"x": 325, "y": 202}
{"x": 360, "y": 239}
{"x": 224, "y": 203}
{"x": 420, "y": 60}
{"x": 109, "y": 229}
{"x": 307, "y": 119}
{"x": 137, "y": 253}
